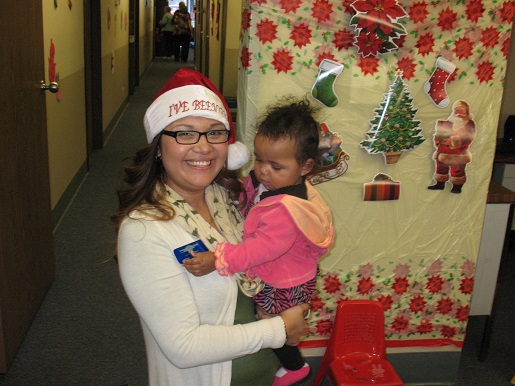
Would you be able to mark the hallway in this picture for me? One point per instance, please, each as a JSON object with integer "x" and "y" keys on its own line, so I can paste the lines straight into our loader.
{"x": 86, "y": 332}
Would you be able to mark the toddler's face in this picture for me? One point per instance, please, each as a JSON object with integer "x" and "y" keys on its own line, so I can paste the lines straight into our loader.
{"x": 275, "y": 163}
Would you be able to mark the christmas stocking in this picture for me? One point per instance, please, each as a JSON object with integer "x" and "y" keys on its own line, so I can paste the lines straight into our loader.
{"x": 435, "y": 86}
{"x": 323, "y": 90}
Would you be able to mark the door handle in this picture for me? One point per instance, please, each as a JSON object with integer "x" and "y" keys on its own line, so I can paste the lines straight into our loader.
{"x": 53, "y": 87}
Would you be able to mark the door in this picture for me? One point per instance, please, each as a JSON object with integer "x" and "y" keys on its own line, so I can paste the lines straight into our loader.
{"x": 26, "y": 251}
{"x": 93, "y": 75}
{"x": 133, "y": 46}
{"x": 202, "y": 15}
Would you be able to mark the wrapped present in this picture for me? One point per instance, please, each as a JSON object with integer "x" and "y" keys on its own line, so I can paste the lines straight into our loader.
{"x": 382, "y": 188}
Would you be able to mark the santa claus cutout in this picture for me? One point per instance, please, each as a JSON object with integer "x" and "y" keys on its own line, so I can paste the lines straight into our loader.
{"x": 452, "y": 141}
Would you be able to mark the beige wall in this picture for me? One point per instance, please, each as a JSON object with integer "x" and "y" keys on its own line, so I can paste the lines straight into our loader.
{"x": 232, "y": 49}
{"x": 146, "y": 35}
{"x": 115, "y": 54}
{"x": 66, "y": 119}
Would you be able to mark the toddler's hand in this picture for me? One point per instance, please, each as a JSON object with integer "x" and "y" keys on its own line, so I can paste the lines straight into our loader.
{"x": 200, "y": 264}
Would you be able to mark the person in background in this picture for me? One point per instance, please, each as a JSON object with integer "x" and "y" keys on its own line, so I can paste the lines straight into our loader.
{"x": 168, "y": 29}
{"x": 288, "y": 225}
{"x": 179, "y": 189}
{"x": 182, "y": 22}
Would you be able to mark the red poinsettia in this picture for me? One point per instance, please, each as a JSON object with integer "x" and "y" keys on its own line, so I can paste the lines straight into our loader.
{"x": 290, "y": 5}
{"x": 425, "y": 327}
{"x": 316, "y": 303}
{"x": 386, "y": 301}
{"x": 445, "y": 306}
{"x": 246, "y": 17}
{"x": 343, "y": 39}
{"x": 462, "y": 313}
{"x": 365, "y": 286}
{"x": 369, "y": 65}
{"x": 321, "y": 10}
{"x": 266, "y": 31}
{"x": 417, "y": 304}
{"x": 446, "y": 19}
{"x": 324, "y": 327}
{"x": 376, "y": 23}
{"x": 463, "y": 48}
{"x": 474, "y": 10}
{"x": 245, "y": 57}
{"x": 347, "y": 5}
{"x": 467, "y": 284}
{"x": 407, "y": 66}
{"x": 507, "y": 11}
{"x": 379, "y": 14}
{"x": 418, "y": 12}
{"x": 434, "y": 284}
{"x": 283, "y": 60}
{"x": 301, "y": 35}
{"x": 425, "y": 44}
{"x": 331, "y": 284}
{"x": 505, "y": 47}
{"x": 448, "y": 331}
{"x": 490, "y": 37}
{"x": 400, "y": 285}
{"x": 369, "y": 44}
{"x": 485, "y": 71}
{"x": 400, "y": 323}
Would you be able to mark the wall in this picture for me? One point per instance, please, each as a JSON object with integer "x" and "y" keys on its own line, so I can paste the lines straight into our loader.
{"x": 415, "y": 253}
{"x": 146, "y": 35}
{"x": 215, "y": 43}
{"x": 65, "y": 117}
{"x": 232, "y": 50}
{"x": 115, "y": 58}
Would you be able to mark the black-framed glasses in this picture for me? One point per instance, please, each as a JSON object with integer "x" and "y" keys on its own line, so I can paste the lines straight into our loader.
{"x": 191, "y": 137}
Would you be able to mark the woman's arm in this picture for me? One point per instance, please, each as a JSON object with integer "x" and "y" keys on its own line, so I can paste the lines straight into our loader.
{"x": 181, "y": 311}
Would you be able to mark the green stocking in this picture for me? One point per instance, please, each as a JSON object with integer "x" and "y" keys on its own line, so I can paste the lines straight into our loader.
{"x": 323, "y": 90}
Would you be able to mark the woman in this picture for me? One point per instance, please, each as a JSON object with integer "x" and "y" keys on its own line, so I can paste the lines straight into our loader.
{"x": 193, "y": 326}
{"x": 168, "y": 28}
{"x": 182, "y": 21}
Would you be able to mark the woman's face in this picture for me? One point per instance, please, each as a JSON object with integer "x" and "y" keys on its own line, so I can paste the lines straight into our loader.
{"x": 191, "y": 168}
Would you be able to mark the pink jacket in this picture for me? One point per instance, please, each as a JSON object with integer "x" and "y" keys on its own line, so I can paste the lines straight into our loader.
{"x": 283, "y": 238}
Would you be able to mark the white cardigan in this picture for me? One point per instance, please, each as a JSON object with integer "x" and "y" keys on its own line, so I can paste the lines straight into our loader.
{"x": 187, "y": 321}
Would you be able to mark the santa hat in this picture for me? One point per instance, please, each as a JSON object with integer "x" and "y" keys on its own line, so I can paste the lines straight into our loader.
{"x": 189, "y": 93}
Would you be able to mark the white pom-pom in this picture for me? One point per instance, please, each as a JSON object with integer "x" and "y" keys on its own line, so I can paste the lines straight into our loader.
{"x": 238, "y": 156}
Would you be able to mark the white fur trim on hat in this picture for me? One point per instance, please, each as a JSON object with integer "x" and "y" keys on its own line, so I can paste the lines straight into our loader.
{"x": 238, "y": 156}
{"x": 181, "y": 102}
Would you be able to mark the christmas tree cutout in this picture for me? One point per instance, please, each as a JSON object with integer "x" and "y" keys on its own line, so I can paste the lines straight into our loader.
{"x": 394, "y": 128}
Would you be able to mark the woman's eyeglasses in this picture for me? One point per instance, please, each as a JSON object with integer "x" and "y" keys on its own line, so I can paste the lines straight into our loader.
{"x": 191, "y": 137}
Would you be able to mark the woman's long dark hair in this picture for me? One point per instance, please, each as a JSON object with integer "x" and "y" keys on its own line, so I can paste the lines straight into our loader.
{"x": 145, "y": 188}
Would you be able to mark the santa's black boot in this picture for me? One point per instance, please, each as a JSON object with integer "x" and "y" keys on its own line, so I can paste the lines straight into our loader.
{"x": 456, "y": 188}
{"x": 437, "y": 186}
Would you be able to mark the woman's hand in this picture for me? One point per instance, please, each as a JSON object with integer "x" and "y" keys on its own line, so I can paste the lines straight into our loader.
{"x": 295, "y": 323}
{"x": 200, "y": 264}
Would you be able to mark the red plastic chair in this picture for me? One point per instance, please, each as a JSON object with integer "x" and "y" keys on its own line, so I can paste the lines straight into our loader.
{"x": 356, "y": 353}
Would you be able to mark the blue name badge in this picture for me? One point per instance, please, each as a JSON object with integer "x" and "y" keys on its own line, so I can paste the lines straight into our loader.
{"x": 183, "y": 253}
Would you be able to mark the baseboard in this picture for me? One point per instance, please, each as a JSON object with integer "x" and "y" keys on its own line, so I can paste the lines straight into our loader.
{"x": 67, "y": 197}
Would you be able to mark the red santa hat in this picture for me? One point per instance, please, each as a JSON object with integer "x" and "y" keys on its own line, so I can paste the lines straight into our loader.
{"x": 189, "y": 93}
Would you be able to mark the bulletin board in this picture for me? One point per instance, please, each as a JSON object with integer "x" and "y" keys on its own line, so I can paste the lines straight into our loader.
{"x": 423, "y": 79}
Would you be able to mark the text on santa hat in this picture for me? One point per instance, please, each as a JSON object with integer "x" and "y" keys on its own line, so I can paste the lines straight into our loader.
{"x": 196, "y": 105}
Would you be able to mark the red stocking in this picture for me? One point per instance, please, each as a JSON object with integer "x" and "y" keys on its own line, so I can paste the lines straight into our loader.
{"x": 435, "y": 86}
